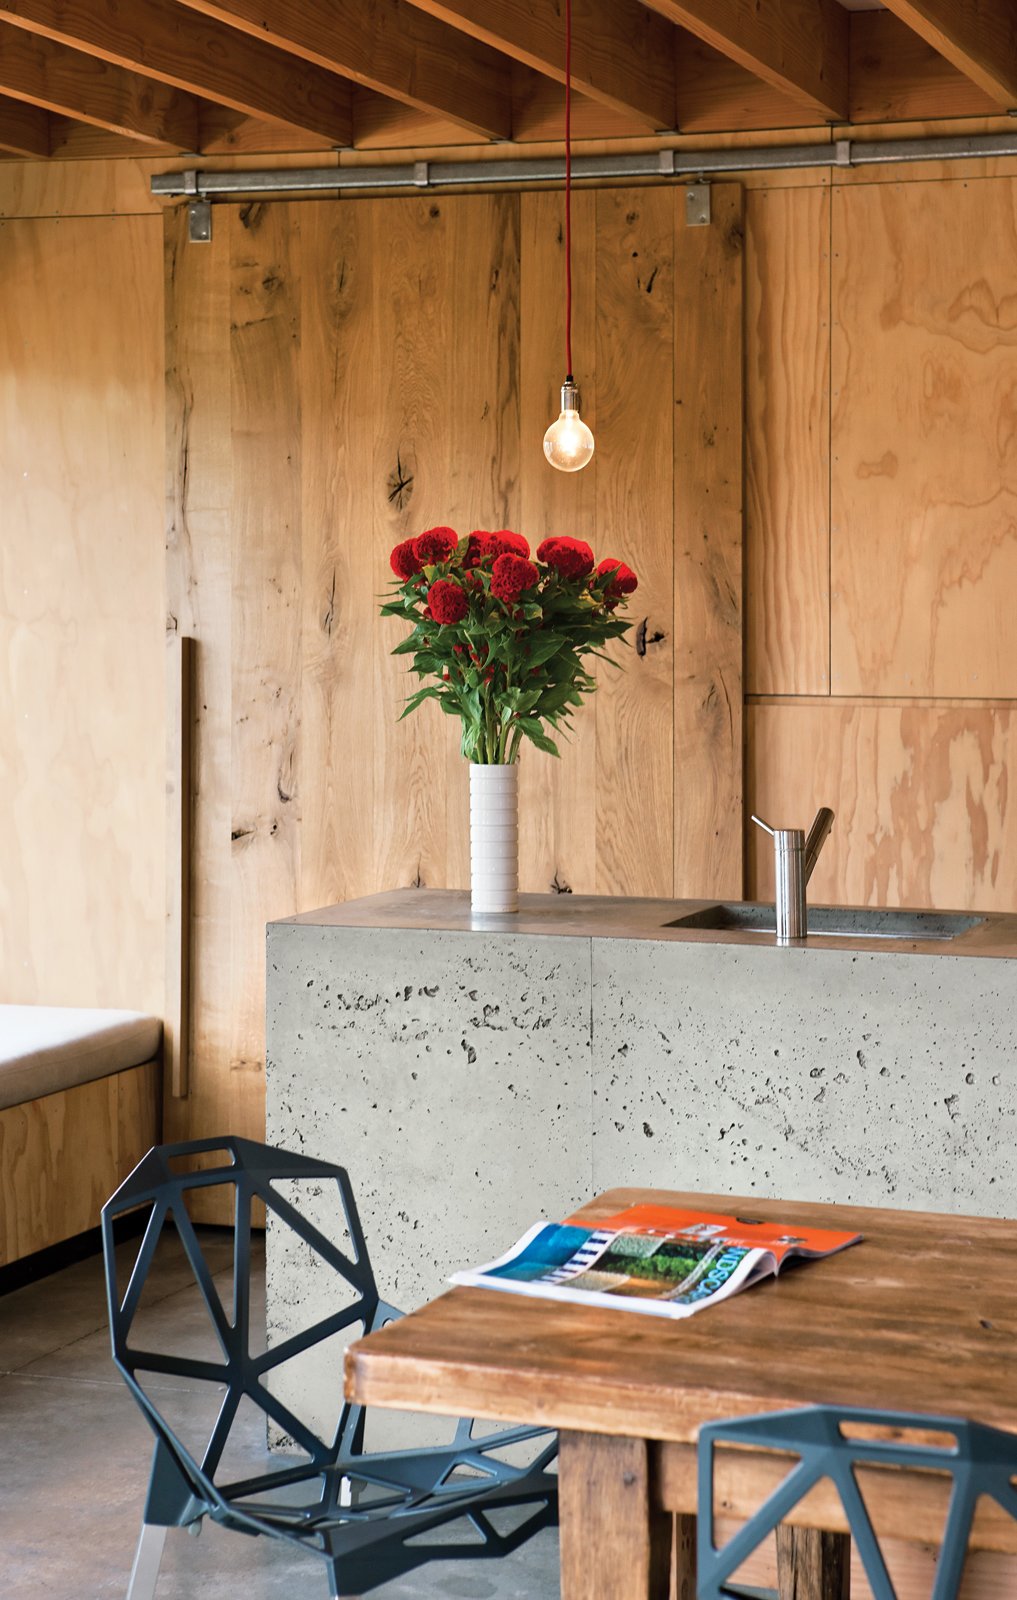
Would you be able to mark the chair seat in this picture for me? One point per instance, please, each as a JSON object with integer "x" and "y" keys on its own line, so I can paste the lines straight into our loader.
{"x": 45, "y": 1049}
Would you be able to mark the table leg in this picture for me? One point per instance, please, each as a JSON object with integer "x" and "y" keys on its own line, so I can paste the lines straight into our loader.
{"x": 615, "y": 1545}
{"x": 683, "y": 1557}
{"x": 812, "y": 1564}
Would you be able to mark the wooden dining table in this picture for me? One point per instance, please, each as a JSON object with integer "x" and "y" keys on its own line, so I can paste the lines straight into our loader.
{"x": 919, "y": 1317}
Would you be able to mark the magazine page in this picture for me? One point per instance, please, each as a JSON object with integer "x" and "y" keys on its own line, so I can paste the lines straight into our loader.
{"x": 640, "y": 1272}
{"x": 779, "y": 1238}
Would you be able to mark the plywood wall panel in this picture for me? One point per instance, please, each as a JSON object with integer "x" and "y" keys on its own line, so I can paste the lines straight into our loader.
{"x": 635, "y": 509}
{"x": 81, "y": 611}
{"x": 99, "y": 188}
{"x": 924, "y": 485}
{"x": 787, "y": 441}
{"x": 557, "y": 822}
{"x": 921, "y": 793}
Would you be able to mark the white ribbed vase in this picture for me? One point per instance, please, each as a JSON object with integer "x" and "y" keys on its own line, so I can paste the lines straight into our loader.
{"x": 494, "y": 838}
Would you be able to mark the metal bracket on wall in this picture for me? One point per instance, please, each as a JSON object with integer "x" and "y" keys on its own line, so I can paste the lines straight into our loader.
{"x": 199, "y": 221}
{"x": 697, "y": 205}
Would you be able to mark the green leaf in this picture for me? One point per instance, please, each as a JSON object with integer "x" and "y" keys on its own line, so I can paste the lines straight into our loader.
{"x": 543, "y": 647}
{"x": 554, "y": 697}
{"x": 535, "y": 733}
{"x": 430, "y": 693}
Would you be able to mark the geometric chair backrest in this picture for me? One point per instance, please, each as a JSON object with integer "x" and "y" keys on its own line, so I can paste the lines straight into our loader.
{"x": 979, "y": 1461}
{"x": 253, "y": 1172}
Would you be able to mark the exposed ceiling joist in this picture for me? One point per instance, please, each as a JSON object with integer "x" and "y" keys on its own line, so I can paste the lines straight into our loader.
{"x": 389, "y": 46}
{"x": 716, "y": 94}
{"x": 82, "y": 141}
{"x": 622, "y": 53}
{"x": 96, "y": 77}
{"x": 197, "y": 54}
{"x": 229, "y": 133}
{"x": 80, "y": 86}
{"x": 897, "y": 76}
{"x": 800, "y": 47}
{"x": 24, "y": 129}
{"x": 978, "y": 36}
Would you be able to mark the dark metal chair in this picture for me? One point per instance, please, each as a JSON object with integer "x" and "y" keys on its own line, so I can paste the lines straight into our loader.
{"x": 364, "y": 1513}
{"x": 980, "y": 1461}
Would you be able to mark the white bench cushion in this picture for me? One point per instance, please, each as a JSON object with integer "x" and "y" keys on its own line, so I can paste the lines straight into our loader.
{"x": 44, "y": 1049}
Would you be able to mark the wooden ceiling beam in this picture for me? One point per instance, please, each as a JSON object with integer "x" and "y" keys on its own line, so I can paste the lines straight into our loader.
{"x": 74, "y": 85}
{"x": 799, "y": 47}
{"x": 24, "y": 129}
{"x": 622, "y": 54}
{"x": 197, "y": 54}
{"x": 388, "y": 46}
{"x": 978, "y": 36}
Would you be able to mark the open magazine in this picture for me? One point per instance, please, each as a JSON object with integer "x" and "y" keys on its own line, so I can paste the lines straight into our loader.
{"x": 650, "y": 1258}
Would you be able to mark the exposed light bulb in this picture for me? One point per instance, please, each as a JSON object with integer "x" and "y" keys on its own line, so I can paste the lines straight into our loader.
{"x": 568, "y": 443}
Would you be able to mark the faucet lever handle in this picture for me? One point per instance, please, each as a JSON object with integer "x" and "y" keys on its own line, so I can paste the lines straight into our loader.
{"x": 764, "y": 825}
{"x": 817, "y": 838}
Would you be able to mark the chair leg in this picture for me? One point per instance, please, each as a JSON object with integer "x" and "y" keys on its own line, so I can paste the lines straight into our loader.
{"x": 147, "y": 1559}
{"x": 335, "y": 1592}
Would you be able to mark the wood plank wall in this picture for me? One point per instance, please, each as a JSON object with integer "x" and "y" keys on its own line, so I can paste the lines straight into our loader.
{"x": 317, "y": 413}
{"x": 81, "y": 612}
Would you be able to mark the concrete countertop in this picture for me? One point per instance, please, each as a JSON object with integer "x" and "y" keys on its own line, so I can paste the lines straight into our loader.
{"x": 615, "y": 917}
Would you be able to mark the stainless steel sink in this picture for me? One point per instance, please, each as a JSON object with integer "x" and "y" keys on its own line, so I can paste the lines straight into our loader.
{"x": 834, "y": 922}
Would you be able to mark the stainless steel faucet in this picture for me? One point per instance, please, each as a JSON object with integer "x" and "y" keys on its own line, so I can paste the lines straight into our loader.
{"x": 794, "y": 857}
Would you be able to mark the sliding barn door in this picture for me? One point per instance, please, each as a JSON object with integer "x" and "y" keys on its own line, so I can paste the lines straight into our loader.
{"x": 342, "y": 375}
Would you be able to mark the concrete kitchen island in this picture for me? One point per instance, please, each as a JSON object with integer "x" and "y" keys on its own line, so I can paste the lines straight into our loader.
{"x": 475, "y": 1076}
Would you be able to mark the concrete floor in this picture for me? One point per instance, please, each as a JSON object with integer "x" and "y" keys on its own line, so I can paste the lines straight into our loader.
{"x": 74, "y": 1455}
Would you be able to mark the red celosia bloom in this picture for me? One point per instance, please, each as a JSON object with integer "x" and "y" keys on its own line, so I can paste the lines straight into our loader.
{"x": 435, "y": 545}
{"x": 570, "y": 558}
{"x": 474, "y": 547}
{"x": 447, "y": 602}
{"x": 484, "y": 546}
{"x": 510, "y": 543}
{"x": 624, "y": 580}
{"x": 404, "y": 561}
{"x": 510, "y": 575}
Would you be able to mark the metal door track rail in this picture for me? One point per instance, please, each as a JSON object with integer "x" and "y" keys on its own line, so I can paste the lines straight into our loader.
{"x": 662, "y": 165}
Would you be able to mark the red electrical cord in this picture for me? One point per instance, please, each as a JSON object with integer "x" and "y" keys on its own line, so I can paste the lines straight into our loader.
{"x": 568, "y": 190}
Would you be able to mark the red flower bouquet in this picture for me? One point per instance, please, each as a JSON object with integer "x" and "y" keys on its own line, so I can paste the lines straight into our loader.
{"x": 503, "y": 634}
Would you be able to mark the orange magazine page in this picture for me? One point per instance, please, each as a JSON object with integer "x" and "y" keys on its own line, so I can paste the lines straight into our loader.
{"x": 780, "y": 1238}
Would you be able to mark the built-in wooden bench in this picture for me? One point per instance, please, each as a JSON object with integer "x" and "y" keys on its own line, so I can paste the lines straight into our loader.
{"x": 79, "y": 1107}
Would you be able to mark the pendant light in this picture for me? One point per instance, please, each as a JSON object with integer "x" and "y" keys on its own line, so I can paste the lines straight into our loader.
{"x": 568, "y": 443}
